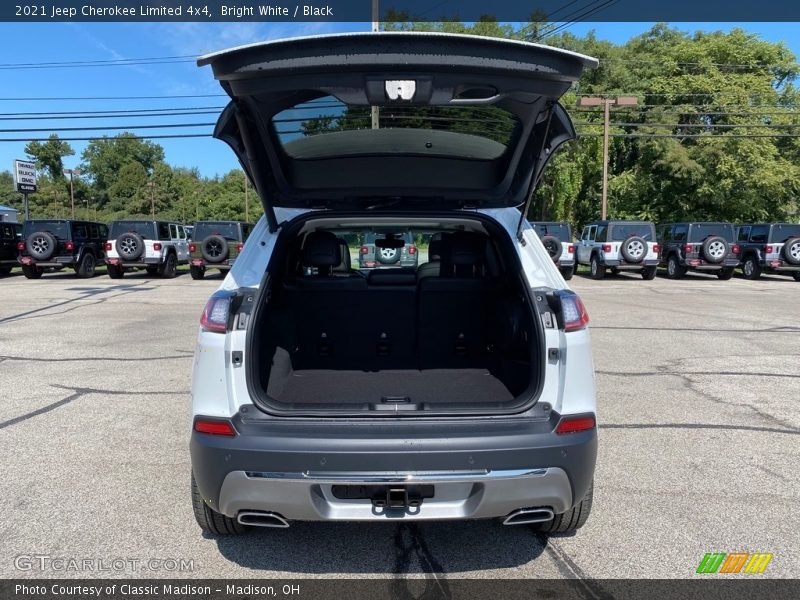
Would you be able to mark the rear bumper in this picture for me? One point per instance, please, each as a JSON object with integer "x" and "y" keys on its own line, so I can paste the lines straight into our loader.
{"x": 568, "y": 262}
{"x": 481, "y": 469}
{"x": 623, "y": 265}
{"x": 201, "y": 262}
{"x": 142, "y": 262}
{"x": 701, "y": 265}
{"x": 57, "y": 262}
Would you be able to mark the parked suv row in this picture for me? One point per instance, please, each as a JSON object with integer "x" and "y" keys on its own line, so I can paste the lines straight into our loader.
{"x": 769, "y": 248}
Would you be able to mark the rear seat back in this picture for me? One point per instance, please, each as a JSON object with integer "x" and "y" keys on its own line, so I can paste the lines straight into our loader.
{"x": 325, "y": 304}
{"x": 453, "y": 307}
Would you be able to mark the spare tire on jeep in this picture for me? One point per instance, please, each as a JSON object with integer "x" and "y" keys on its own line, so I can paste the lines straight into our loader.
{"x": 634, "y": 249}
{"x": 791, "y": 250}
{"x": 41, "y": 245}
{"x": 130, "y": 246}
{"x": 553, "y": 246}
{"x": 715, "y": 249}
{"x": 215, "y": 248}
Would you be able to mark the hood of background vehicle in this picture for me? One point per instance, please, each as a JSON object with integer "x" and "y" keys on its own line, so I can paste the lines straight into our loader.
{"x": 462, "y": 121}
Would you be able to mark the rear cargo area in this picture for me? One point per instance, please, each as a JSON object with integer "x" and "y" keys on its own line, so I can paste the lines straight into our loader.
{"x": 454, "y": 332}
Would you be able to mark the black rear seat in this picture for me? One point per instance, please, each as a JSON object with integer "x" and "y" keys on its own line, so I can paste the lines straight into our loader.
{"x": 453, "y": 306}
{"x": 326, "y": 304}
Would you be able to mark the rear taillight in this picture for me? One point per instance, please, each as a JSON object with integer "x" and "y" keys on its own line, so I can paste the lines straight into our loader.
{"x": 108, "y": 246}
{"x": 214, "y": 427}
{"x": 606, "y": 247}
{"x": 575, "y": 424}
{"x": 687, "y": 248}
{"x": 364, "y": 250}
{"x": 656, "y": 248}
{"x": 239, "y": 247}
{"x": 735, "y": 248}
{"x": 68, "y": 245}
{"x": 215, "y": 314}
{"x": 192, "y": 248}
{"x": 20, "y": 245}
{"x": 571, "y": 249}
{"x": 573, "y": 313}
{"x": 156, "y": 246}
{"x": 768, "y": 249}
{"x": 412, "y": 250}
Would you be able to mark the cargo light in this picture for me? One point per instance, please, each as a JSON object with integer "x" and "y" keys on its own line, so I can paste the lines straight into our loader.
{"x": 575, "y": 424}
{"x": 214, "y": 427}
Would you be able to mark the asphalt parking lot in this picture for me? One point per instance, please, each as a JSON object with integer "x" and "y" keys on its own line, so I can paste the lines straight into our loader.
{"x": 699, "y": 440}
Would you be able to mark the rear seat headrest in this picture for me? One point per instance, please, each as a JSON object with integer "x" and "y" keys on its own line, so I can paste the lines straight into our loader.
{"x": 322, "y": 249}
{"x": 435, "y": 248}
{"x": 465, "y": 249}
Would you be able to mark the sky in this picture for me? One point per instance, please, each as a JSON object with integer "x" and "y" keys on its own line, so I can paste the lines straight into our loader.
{"x": 65, "y": 42}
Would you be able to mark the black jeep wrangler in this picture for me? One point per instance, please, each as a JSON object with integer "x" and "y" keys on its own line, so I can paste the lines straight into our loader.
{"x": 53, "y": 244}
{"x": 557, "y": 240}
{"x": 769, "y": 248}
{"x": 10, "y": 236}
{"x": 707, "y": 247}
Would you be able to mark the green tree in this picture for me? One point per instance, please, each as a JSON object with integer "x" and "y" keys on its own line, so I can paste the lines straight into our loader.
{"x": 104, "y": 159}
{"x": 49, "y": 155}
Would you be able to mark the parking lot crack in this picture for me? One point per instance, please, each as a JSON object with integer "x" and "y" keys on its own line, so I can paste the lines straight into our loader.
{"x": 78, "y": 393}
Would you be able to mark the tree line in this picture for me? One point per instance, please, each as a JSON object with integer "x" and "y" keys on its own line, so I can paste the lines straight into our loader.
{"x": 715, "y": 136}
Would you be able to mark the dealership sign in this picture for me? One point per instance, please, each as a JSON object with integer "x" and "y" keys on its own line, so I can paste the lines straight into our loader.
{"x": 25, "y": 176}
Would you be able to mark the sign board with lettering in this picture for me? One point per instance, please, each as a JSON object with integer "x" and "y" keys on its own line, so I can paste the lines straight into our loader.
{"x": 25, "y": 176}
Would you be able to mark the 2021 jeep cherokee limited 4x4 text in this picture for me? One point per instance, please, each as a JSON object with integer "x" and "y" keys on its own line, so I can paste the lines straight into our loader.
{"x": 769, "y": 248}
{"x": 157, "y": 246}
{"x": 54, "y": 244}
{"x": 328, "y": 394}
{"x": 216, "y": 245}
{"x": 706, "y": 247}
{"x": 557, "y": 240}
{"x": 619, "y": 246}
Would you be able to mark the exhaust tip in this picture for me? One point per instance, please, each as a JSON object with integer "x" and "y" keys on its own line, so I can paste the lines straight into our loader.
{"x": 525, "y": 516}
{"x": 261, "y": 519}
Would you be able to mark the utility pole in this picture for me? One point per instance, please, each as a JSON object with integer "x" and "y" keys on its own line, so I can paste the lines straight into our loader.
{"x": 152, "y": 186}
{"x": 246, "y": 200}
{"x": 376, "y": 26}
{"x": 606, "y": 103}
{"x": 196, "y": 206}
{"x": 72, "y": 172}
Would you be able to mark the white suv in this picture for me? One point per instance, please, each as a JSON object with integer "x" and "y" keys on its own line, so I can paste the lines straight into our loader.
{"x": 157, "y": 246}
{"x": 322, "y": 392}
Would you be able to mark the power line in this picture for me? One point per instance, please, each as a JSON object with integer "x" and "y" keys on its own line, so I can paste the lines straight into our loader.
{"x": 92, "y": 62}
{"x": 692, "y": 136}
{"x": 693, "y": 125}
{"x": 109, "y": 128}
{"x": 121, "y": 116}
{"x": 117, "y": 137}
{"x": 67, "y": 98}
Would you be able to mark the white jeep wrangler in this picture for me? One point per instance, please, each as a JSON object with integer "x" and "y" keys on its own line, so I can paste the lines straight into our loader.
{"x": 157, "y": 246}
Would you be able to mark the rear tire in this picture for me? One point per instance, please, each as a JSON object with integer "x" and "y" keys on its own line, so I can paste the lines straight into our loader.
{"x": 750, "y": 268}
{"x": 170, "y": 267}
{"x": 796, "y": 275}
{"x": 597, "y": 270}
{"x": 210, "y": 520}
{"x": 674, "y": 268}
{"x": 573, "y": 519}
{"x": 152, "y": 271}
{"x": 725, "y": 274}
{"x": 567, "y": 273}
{"x": 115, "y": 271}
{"x": 649, "y": 273}
{"x": 32, "y": 272}
{"x": 86, "y": 266}
{"x": 197, "y": 272}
